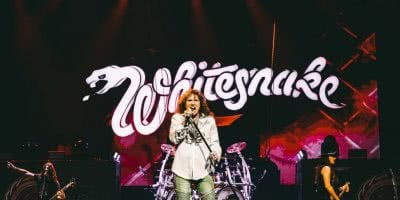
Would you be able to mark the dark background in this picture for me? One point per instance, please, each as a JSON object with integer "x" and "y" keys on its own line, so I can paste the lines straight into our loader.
{"x": 48, "y": 48}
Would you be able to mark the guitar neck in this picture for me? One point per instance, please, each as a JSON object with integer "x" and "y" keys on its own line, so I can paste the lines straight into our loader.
{"x": 65, "y": 187}
{"x": 61, "y": 190}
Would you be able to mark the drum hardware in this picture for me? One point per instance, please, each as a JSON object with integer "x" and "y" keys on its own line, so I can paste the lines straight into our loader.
{"x": 231, "y": 179}
{"x": 164, "y": 179}
{"x": 167, "y": 148}
{"x": 241, "y": 170}
{"x": 246, "y": 178}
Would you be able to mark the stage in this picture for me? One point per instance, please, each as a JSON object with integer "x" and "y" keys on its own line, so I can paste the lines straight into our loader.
{"x": 92, "y": 87}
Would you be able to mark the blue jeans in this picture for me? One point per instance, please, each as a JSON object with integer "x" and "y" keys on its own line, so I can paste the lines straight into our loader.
{"x": 205, "y": 188}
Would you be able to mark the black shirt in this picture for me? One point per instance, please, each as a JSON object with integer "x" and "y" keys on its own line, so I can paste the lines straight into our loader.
{"x": 319, "y": 187}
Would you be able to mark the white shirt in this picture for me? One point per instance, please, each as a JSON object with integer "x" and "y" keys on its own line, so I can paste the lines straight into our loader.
{"x": 192, "y": 153}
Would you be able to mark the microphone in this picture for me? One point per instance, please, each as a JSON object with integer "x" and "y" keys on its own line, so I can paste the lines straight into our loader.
{"x": 189, "y": 113}
{"x": 188, "y": 116}
{"x": 46, "y": 169}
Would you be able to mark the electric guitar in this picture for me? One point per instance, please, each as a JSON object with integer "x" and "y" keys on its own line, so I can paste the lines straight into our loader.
{"x": 342, "y": 191}
{"x": 60, "y": 194}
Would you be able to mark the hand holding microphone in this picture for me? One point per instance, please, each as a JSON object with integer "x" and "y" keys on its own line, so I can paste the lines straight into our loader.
{"x": 189, "y": 113}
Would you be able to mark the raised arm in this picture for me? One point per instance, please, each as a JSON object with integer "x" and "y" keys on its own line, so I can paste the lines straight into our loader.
{"x": 19, "y": 170}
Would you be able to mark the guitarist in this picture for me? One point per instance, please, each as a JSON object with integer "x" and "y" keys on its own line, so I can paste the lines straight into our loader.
{"x": 46, "y": 179}
{"x": 326, "y": 181}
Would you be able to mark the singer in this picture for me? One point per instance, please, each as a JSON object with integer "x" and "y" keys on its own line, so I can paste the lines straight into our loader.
{"x": 193, "y": 160}
{"x": 47, "y": 180}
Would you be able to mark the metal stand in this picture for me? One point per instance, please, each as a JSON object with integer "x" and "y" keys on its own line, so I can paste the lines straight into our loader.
{"x": 189, "y": 119}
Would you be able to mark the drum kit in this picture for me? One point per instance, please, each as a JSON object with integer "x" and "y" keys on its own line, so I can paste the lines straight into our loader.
{"x": 232, "y": 178}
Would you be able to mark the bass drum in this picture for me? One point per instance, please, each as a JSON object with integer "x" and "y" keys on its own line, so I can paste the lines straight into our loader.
{"x": 229, "y": 193}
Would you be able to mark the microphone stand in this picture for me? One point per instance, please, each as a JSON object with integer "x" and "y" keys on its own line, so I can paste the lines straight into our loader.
{"x": 189, "y": 119}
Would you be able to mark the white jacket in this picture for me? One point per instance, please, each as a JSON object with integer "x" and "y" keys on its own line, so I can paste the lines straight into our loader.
{"x": 192, "y": 153}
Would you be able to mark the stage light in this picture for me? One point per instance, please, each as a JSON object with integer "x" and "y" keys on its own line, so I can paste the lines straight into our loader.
{"x": 30, "y": 145}
{"x": 31, "y": 149}
{"x": 117, "y": 157}
{"x": 81, "y": 145}
{"x": 301, "y": 155}
{"x": 80, "y": 148}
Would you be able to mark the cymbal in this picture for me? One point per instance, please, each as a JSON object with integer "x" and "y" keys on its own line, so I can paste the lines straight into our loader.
{"x": 237, "y": 147}
{"x": 167, "y": 148}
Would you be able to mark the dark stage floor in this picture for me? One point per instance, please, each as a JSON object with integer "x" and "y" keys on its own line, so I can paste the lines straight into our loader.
{"x": 288, "y": 192}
